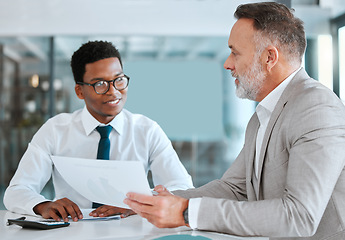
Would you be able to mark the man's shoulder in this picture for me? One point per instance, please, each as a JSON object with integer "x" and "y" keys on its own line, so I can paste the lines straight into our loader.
{"x": 137, "y": 118}
{"x": 65, "y": 118}
{"x": 141, "y": 124}
{"x": 314, "y": 92}
{"x": 313, "y": 101}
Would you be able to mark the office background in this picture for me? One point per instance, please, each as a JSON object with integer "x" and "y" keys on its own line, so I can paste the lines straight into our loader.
{"x": 173, "y": 50}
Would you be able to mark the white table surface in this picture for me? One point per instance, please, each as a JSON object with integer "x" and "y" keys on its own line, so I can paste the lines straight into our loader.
{"x": 131, "y": 228}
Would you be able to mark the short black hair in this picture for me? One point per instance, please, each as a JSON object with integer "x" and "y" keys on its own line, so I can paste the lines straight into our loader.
{"x": 90, "y": 52}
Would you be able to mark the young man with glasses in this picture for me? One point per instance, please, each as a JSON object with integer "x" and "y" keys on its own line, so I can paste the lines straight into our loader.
{"x": 102, "y": 84}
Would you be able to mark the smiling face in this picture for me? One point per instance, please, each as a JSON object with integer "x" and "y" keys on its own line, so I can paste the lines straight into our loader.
{"x": 103, "y": 107}
{"x": 244, "y": 62}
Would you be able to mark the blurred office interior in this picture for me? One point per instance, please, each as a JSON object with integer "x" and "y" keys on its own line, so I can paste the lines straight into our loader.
{"x": 173, "y": 50}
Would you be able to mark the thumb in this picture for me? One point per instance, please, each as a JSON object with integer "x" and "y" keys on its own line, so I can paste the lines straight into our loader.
{"x": 160, "y": 189}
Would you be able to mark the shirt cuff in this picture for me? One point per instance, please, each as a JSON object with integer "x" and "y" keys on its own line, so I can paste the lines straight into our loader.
{"x": 193, "y": 212}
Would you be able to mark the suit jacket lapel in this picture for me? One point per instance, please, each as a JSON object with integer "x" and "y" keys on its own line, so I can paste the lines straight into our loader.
{"x": 289, "y": 90}
{"x": 275, "y": 114}
{"x": 251, "y": 133}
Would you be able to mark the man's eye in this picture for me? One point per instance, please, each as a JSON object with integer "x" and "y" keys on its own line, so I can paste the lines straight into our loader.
{"x": 101, "y": 83}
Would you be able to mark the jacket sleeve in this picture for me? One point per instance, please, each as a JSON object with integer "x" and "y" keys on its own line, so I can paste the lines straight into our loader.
{"x": 231, "y": 186}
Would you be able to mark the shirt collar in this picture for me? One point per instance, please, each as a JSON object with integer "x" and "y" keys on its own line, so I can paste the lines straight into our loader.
{"x": 263, "y": 114}
{"x": 90, "y": 123}
{"x": 270, "y": 101}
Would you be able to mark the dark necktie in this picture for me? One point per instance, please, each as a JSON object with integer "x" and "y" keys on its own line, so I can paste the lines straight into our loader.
{"x": 104, "y": 142}
{"x": 103, "y": 149}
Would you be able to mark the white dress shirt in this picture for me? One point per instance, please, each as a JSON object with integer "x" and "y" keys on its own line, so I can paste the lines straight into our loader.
{"x": 264, "y": 111}
{"x": 134, "y": 137}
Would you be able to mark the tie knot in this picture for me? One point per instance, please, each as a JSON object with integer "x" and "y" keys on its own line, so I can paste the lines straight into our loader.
{"x": 104, "y": 131}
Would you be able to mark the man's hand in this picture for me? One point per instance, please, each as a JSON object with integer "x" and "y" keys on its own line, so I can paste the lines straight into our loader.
{"x": 59, "y": 209}
{"x": 163, "y": 210}
{"x": 106, "y": 210}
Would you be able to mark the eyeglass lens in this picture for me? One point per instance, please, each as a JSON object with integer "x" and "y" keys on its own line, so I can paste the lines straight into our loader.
{"x": 103, "y": 86}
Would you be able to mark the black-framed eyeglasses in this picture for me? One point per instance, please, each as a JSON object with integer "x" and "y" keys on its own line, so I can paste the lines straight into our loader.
{"x": 102, "y": 86}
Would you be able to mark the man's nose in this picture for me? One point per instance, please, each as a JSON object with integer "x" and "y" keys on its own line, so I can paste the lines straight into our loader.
{"x": 112, "y": 89}
{"x": 228, "y": 64}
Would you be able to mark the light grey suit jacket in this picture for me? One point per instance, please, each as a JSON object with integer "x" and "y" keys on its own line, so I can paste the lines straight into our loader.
{"x": 300, "y": 191}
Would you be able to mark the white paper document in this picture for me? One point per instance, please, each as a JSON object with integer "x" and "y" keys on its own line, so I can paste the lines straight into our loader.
{"x": 103, "y": 181}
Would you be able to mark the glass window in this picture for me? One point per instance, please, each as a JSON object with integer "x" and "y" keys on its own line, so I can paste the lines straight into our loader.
{"x": 325, "y": 60}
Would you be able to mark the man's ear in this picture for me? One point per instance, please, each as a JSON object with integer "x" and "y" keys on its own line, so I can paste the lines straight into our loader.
{"x": 272, "y": 57}
{"x": 79, "y": 91}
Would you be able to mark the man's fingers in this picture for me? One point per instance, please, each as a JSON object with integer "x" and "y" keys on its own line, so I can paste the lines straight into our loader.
{"x": 138, "y": 207}
{"x": 62, "y": 212}
{"x": 59, "y": 209}
{"x": 127, "y": 213}
{"x": 134, "y": 205}
{"x": 98, "y": 211}
{"x": 54, "y": 216}
{"x": 143, "y": 203}
{"x": 161, "y": 190}
{"x": 144, "y": 199}
{"x": 70, "y": 211}
{"x": 74, "y": 211}
{"x": 78, "y": 211}
{"x": 94, "y": 213}
{"x": 50, "y": 214}
{"x": 108, "y": 211}
{"x": 67, "y": 207}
